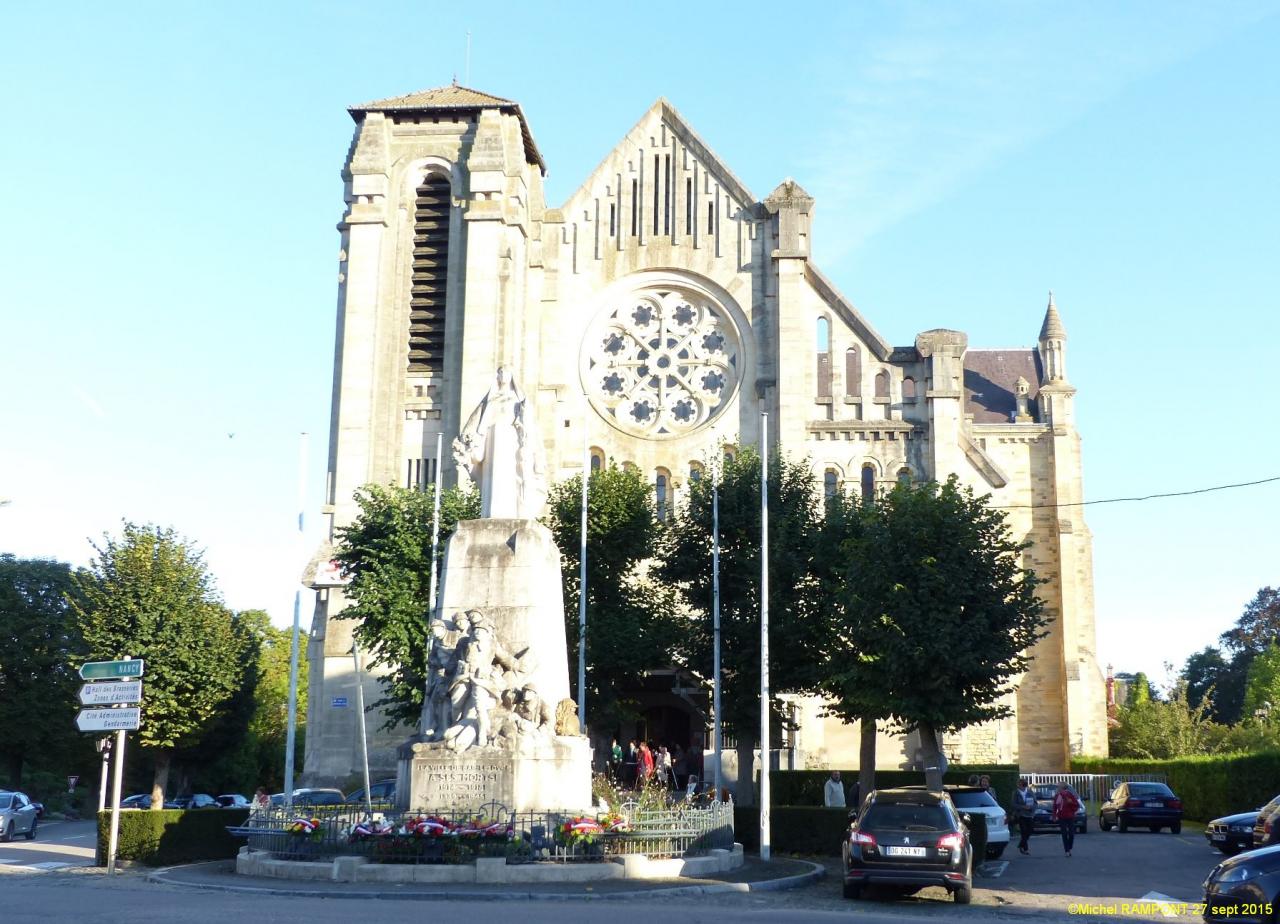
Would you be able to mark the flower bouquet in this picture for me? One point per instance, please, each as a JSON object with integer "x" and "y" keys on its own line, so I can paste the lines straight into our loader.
{"x": 579, "y": 833}
{"x": 367, "y": 830}
{"x": 311, "y": 828}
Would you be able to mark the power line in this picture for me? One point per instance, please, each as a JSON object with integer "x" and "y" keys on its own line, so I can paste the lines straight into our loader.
{"x": 1121, "y": 500}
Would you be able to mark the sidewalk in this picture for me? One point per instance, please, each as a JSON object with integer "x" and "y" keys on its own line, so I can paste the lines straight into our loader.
{"x": 753, "y": 876}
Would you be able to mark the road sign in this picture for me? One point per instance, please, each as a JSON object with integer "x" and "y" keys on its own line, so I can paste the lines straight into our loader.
{"x": 339, "y": 702}
{"x": 111, "y": 670}
{"x": 110, "y": 692}
{"x": 96, "y": 720}
{"x": 71, "y": 783}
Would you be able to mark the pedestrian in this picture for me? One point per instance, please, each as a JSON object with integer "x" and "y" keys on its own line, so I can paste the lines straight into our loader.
{"x": 984, "y": 783}
{"x": 833, "y": 791}
{"x": 1024, "y": 812}
{"x": 1065, "y": 806}
{"x": 663, "y": 766}
{"x": 973, "y": 779}
{"x": 680, "y": 766}
{"x": 261, "y": 801}
{"x": 631, "y": 769}
{"x": 644, "y": 764}
{"x": 615, "y": 762}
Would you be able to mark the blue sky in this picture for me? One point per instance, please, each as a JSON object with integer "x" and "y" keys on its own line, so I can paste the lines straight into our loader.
{"x": 167, "y": 305}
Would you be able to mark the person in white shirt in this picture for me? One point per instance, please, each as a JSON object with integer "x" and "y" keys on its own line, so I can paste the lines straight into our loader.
{"x": 833, "y": 791}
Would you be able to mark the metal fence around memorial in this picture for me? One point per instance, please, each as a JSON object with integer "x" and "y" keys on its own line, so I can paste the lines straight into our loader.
{"x": 461, "y": 836}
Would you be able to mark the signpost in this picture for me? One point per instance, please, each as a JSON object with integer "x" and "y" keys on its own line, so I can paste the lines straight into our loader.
{"x": 111, "y": 670}
{"x": 124, "y": 685}
{"x": 111, "y": 693}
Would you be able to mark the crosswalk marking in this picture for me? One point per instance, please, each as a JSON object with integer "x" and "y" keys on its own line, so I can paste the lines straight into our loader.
{"x": 50, "y": 864}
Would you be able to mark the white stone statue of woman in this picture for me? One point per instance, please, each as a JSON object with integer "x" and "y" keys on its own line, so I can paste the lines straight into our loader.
{"x": 501, "y": 450}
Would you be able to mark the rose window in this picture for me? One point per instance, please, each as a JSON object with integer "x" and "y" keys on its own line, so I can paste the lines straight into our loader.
{"x": 660, "y": 363}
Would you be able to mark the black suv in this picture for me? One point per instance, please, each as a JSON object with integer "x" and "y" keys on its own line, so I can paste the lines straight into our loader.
{"x": 908, "y": 839}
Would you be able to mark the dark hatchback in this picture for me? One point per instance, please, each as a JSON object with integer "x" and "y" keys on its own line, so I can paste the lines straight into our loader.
{"x": 1244, "y": 888}
{"x": 1149, "y": 805}
{"x": 907, "y": 839}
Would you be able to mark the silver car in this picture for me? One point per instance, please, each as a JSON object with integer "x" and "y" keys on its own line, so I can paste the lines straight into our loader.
{"x": 17, "y": 816}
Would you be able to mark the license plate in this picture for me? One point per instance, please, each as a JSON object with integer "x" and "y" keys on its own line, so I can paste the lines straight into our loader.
{"x": 1218, "y": 837}
{"x": 1155, "y": 805}
{"x": 904, "y": 851}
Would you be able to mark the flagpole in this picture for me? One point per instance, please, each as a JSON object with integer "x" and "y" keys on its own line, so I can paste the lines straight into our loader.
{"x": 582, "y": 579}
{"x": 291, "y": 733}
{"x": 764, "y": 636}
{"x": 717, "y": 731}
{"x": 435, "y": 530}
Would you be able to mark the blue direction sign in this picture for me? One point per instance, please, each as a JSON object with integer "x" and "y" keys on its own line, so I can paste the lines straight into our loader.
{"x": 111, "y": 670}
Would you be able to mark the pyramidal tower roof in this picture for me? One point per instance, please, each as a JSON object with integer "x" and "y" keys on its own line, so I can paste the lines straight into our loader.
{"x": 1052, "y": 328}
{"x": 453, "y": 99}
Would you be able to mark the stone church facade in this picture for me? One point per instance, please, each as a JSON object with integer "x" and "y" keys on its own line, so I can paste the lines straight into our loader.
{"x": 653, "y": 317}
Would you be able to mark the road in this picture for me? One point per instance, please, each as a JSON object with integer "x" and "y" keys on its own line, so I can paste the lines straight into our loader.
{"x": 1105, "y": 869}
{"x": 58, "y": 845}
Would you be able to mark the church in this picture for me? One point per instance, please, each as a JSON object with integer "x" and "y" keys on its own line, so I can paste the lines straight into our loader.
{"x": 652, "y": 318}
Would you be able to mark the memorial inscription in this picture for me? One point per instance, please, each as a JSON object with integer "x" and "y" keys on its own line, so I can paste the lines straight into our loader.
{"x": 447, "y": 783}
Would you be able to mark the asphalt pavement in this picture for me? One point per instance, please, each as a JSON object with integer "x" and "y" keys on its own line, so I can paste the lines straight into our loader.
{"x": 57, "y": 845}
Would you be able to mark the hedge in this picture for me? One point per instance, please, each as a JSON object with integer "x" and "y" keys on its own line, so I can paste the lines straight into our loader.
{"x": 172, "y": 836}
{"x": 1209, "y": 786}
{"x": 815, "y": 830}
{"x": 805, "y": 787}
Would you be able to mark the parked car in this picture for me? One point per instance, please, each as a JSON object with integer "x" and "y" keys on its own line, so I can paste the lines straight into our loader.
{"x": 1266, "y": 827}
{"x": 974, "y": 800}
{"x": 381, "y": 791}
{"x": 1043, "y": 818}
{"x": 198, "y": 801}
{"x": 1234, "y": 833}
{"x": 143, "y": 801}
{"x": 311, "y": 797}
{"x": 907, "y": 839}
{"x": 17, "y": 816}
{"x": 233, "y": 800}
{"x": 1150, "y": 804}
{"x": 39, "y": 809}
{"x": 1244, "y": 887}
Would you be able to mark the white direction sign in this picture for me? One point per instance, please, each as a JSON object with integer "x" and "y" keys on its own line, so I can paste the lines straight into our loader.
{"x": 128, "y": 718}
{"x": 111, "y": 691}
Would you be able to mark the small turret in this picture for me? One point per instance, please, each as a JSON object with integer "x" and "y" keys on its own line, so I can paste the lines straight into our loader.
{"x": 1053, "y": 345}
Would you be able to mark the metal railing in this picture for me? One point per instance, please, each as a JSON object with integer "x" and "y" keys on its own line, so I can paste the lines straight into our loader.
{"x": 460, "y": 836}
{"x": 1093, "y": 787}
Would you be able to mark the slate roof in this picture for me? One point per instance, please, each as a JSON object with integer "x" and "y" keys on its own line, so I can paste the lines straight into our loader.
{"x": 989, "y": 377}
{"x": 454, "y": 98}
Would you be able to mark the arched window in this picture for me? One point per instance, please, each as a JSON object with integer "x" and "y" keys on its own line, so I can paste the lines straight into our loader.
{"x": 730, "y": 453}
{"x": 597, "y": 459}
{"x": 868, "y": 483}
{"x": 908, "y": 389}
{"x": 430, "y": 275}
{"x": 629, "y": 467}
{"x": 824, "y": 358}
{"x": 882, "y": 383}
{"x": 830, "y": 483}
{"x": 904, "y": 475}
{"x": 695, "y": 471}
{"x": 852, "y": 372}
{"x": 662, "y": 492}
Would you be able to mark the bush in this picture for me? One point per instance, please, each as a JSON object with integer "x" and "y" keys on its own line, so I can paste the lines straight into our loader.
{"x": 172, "y": 836}
{"x": 804, "y": 787}
{"x": 794, "y": 828}
{"x": 1209, "y": 785}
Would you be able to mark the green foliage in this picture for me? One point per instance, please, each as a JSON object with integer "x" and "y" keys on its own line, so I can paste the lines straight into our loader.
{"x": 1209, "y": 786}
{"x": 1140, "y": 691}
{"x": 1211, "y": 677}
{"x": 41, "y": 648}
{"x": 387, "y": 554}
{"x": 168, "y": 836}
{"x": 805, "y": 787}
{"x": 632, "y": 624}
{"x": 1155, "y": 728}
{"x": 934, "y": 613}
{"x": 1262, "y": 689}
{"x": 148, "y": 595}
{"x": 794, "y": 597}
{"x": 812, "y": 830}
{"x": 1259, "y": 624}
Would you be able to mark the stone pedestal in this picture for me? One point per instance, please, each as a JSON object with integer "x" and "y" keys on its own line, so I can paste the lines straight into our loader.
{"x": 555, "y": 775}
{"x": 507, "y": 574}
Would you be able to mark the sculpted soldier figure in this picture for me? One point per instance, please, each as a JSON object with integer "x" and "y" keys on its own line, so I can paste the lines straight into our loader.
{"x": 441, "y": 663}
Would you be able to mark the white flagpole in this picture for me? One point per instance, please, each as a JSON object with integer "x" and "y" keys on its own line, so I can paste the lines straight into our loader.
{"x": 292, "y": 731}
{"x": 764, "y": 636}
{"x": 717, "y": 731}
{"x": 435, "y": 530}
{"x": 364, "y": 737}
{"x": 582, "y": 580}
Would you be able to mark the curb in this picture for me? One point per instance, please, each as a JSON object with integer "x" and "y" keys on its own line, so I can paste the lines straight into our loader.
{"x": 813, "y": 874}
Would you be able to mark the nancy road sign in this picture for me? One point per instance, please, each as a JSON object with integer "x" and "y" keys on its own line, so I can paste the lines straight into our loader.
{"x": 108, "y": 692}
{"x": 111, "y": 670}
{"x": 96, "y": 720}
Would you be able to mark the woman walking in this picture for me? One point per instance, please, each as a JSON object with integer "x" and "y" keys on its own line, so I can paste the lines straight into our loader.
{"x": 1065, "y": 806}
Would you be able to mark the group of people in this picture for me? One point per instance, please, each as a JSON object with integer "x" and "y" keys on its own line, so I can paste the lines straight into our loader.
{"x": 644, "y": 762}
{"x": 1066, "y": 805}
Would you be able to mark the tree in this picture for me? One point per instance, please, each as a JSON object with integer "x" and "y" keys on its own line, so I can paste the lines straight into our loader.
{"x": 1140, "y": 690}
{"x": 937, "y": 610}
{"x": 1163, "y": 729}
{"x": 686, "y": 565}
{"x": 1259, "y": 624}
{"x": 1204, "y": 672}
{"x": 387, "y": 554}
{"x": 41, "y": 652}
{"x": 148, "y": 594}
{"x": 1262, "y": 690}
{"x": 632, "y": 625}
